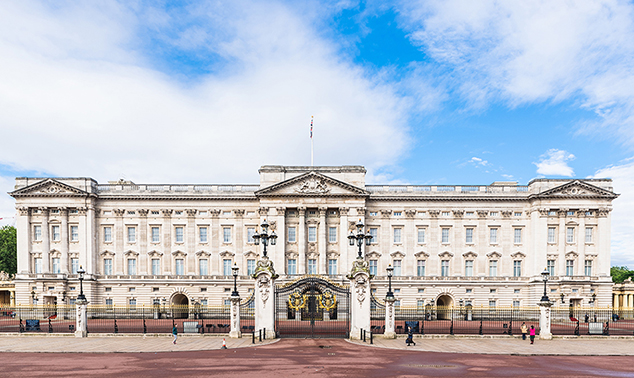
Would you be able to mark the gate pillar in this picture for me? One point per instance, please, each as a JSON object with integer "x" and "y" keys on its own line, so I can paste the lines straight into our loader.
{"x": 544, "y": 320}
{"x": 264, "y": 296}
{"x": 360, "y": 304}
{"x": 389, "y": 318}
{"x": 235, "y": 317}
{"x": 81, "y": 318}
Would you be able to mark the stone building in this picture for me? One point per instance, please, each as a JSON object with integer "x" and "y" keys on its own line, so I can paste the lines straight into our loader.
{"x": 452, "y": 244}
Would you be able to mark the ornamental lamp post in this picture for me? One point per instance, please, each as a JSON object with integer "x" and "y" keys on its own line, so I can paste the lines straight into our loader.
{"x": 264, "y": 236}
{"x": 359, "y": 238}
{"x": 390, "y": 271}
{"x": 234, "y": 271}
{"x": 81, "y": 296}
{"x": 545, "y": 275}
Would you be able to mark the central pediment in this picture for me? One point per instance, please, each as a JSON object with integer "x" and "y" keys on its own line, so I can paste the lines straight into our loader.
{"x": 577, "y": 189}
{"x": 49, "y": 188}
{"x": 312, "y": 184}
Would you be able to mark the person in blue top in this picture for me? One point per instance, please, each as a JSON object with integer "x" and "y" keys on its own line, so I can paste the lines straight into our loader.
{"x": 175, "y": 333}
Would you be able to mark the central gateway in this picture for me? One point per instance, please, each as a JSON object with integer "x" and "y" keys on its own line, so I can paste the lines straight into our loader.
{"x": 312, "y": 307}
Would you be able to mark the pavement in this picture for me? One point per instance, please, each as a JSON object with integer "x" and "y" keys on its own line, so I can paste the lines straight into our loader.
{"x": 472, "y": 345}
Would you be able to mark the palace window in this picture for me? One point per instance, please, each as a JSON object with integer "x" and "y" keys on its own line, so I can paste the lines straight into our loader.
{"x": 397, "y": 213}
{"x": 570, "y": 235}
{"x": 570, "y": 265}
{"x": 37, "y": 233}
{"x": 517, "y": 236}
{"x": 518, "y": 214}
{"x": 38, "y": 265}
{"x": 375, "y": 235}
{"x": 56, "y": 235}
{"x": 74, "y": 265}
{"x": 373, "y": 267}
{"x": 312, "y": 234}
{"x": 292, "y": 235}
{"x": 179, "y": 234}
{"x": 445, "y": 235}
{"x": 250, "y": 233}
{"x": 397, "y": 235}
{"x": 132, "y": 267}
{"x": 156, "y": 267}
{"x": 226, "y": 234}
{"x": 397, "y": 268}
{"x": 552, "y": 234}
{"x": 493, "y": 268}
{"x": 588, "y": 234}
{"x": 420, "y": 268}
{"x": 312, "y": 266}
{"x": 250, "y": 266}
{"x": 570, "y": 213}
{"x": 493, "y": 214}
{"x": 180, "y": 267}
{"x": 469, "y": 236}
{"x": 332, "y": 234}
{"x": 550, "y": 266}
{"x": 226, "y": 267}
{"x": 131, "y": 234}
{"x": 203, "y": 267}
{"x": 552, "y": 213}
{"x": 421, "y": 236}
{"x": 468, "y": 268}
{"x": 107, "y": 267}
{"x": 291, "y": 266}
{"x": 202, "y": 234}
{"x": 74, "y": 233}
{"x": 517, "y": 268}
{"x": 493, "y": 235}
{"x": 444, "y": 268}
{"x": 588, "y": 268}
{"x": 57, "y": 268}
{"x": 332, "y": 267}
{"x": 155, "y": 235}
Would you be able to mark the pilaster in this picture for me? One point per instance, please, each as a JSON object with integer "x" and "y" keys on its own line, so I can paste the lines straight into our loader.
{"x": 46, "y": 242}
{"x": 360, "y": 304}
{"x": 301, "y": 240}
{"x": 24, "y": 240}
{"x": 63, "y": 212}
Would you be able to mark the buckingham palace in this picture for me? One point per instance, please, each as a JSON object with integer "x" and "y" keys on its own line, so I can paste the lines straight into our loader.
{"x": 142, "y": 244}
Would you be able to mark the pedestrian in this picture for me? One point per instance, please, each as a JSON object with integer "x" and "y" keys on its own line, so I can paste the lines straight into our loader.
{"x": 524, "y": 330}
{"x": 532, "y": 334}
{"x": 587, "y": 317}
{"x": 410, "y": 338}
{"x": 175, "y": 333}
{"x": 595, "y": 318}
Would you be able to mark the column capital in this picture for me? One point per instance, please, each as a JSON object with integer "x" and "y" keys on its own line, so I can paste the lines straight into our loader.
{"x": 143, "y": 212}
{"x": 344, "y": 210}
{"x": 167, "y": 212}
{"x": 301, "y": 210}
{"x": 44, "y": 211}
{"x": 322, "y": 211}
{"x": 63, "y": 211}
{"x": 263, "y": 211}
{"x": 238, "y": 212}
{"x": 23, "y": 210}
{"x": 119, "y": 212}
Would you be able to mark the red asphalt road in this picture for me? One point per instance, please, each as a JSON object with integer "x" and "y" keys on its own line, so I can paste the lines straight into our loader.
{"x": 305, "y": 358}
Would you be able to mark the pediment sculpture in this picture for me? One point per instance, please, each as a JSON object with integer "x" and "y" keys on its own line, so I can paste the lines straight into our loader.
{"x": 313, "y": 186}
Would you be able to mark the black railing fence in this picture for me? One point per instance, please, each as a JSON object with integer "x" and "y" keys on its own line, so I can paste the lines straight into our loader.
{"x": 377, "y": 316}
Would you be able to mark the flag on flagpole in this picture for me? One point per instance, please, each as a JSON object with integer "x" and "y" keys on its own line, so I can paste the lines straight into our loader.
{"x": 311, "y": 127}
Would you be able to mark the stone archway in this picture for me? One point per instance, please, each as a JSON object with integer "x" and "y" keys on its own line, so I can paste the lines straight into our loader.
{"x": 444, "y": 303}
{"x": 180, "y": 306}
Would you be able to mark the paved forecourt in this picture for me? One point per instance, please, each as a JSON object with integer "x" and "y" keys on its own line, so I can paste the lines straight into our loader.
{"x": 121, "y": 344}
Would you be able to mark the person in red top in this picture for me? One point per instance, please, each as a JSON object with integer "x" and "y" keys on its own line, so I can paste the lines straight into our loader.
{"x": 532, "y": 334}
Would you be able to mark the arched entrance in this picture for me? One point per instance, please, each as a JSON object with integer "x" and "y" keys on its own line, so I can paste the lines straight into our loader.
{"x": 444, "y": 303}
{"x": 180, "y": 306}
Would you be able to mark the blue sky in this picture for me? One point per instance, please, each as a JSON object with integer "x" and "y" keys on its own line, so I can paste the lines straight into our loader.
{"x": 417, "y": 91}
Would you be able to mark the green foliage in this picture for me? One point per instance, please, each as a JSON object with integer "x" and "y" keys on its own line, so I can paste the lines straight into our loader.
{"x": 8, "y": 249}
{"x": 620, "y": 273}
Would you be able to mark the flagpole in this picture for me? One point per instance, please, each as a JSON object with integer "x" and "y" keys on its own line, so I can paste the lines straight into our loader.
{"x": 312, "y": 162}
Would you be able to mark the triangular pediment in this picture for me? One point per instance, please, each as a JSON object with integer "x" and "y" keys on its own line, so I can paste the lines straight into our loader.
{"x": 49, "y": 188}
{"x": 312, "y": 184}
{"x": 577, "y": 189}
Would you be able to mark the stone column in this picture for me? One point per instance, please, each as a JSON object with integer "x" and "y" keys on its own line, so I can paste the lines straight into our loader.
{"x": 63, "y": 212}
{"x": 81, "y": 318}
{"x": 360, "y": 304}
{"x": 322, "y": 241}
{"x": 264, "y": 296}
{"x": 235, "y": 317}
{"x": 240, "y": 237}
{"x": 390, "y": 332}
{"x": 280, "y": 248}
{"x": 46, "y": 242}
{"x": 215, "y": 235}
{"x": 301, "y": 240}
{"x": 343, "y": 239}
{"x": 142, "y": 242}
{"x": 544, "y": 320}
{"x": 191, "y": 242}
{"x": 24, "y": 240}
{"x": 118, "y": 235}
{"x": 561, "y": 242}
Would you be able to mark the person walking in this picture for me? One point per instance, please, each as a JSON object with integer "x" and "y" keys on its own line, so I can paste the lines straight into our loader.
{"x": 532, "y": 334}
{"x": 524, "y": 330}
{"x": 175, "y": 333}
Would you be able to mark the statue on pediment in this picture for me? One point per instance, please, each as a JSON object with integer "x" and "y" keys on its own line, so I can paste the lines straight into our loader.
{"x": 313, "y": 186}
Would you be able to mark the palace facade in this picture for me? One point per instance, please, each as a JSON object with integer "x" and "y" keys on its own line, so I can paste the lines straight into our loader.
{"x": 449, "y": 244}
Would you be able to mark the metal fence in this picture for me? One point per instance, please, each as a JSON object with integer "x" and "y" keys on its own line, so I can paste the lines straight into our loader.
{"x": 377, "y": 316}
{"x": 592, "y": 321}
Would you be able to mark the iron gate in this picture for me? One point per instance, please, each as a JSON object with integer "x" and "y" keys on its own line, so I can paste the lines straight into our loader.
{"x": 312, "y": 307}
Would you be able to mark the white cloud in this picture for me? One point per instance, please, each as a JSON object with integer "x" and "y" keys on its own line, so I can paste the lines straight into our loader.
{"x": 554, "y": 163}
{"x": 77, "y": 100}
{"x": 622, "y": 225}
{"x": 530, "y": 51}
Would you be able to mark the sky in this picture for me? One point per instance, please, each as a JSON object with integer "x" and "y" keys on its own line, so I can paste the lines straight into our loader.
{"x": 421, "y": 92}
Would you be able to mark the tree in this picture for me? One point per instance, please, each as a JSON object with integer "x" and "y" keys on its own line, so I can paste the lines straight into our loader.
{"x": 8, "y": 249}
{"x": 620, "y": 273}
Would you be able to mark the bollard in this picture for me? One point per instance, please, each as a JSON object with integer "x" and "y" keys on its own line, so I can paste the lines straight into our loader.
{"x": 253, "y": 338}
{"x": 260, "y": 335}
{"x": 371, "y": 338}
{"x": 116, "y": 328}
{"x": 264, "y": 333}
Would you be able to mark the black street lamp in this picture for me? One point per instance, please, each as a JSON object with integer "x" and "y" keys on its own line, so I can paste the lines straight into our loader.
{"x": 81, "y": 296}
{"x": 545, "y": 275}
{"x": 264, "y": 236}
{"x": 359, "y": 237}
{"x": 33, "y": 300}
{"x": 390, "y": 271}
{"x": 234, "y": 270}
